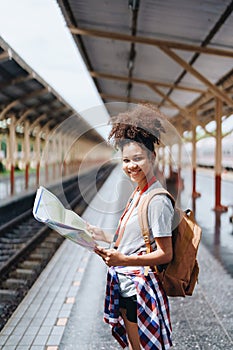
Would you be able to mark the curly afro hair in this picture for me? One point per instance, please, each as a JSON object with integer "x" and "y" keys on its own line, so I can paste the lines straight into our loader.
{"x": 141, "y": 124}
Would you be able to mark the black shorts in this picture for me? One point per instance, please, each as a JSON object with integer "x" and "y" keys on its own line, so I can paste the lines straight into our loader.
{"x": 130, "y": 304}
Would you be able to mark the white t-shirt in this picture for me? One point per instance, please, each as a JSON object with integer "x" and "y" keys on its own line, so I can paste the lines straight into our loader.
{"x": 160, "y": 214}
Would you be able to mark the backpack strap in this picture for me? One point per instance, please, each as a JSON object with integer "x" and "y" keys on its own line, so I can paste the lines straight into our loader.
{"x": 143, "y": 216}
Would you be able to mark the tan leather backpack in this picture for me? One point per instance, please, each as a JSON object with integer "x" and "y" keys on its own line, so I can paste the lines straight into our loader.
{"x": 179, "y": 276}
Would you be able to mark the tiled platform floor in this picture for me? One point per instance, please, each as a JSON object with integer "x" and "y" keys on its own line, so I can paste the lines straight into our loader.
{"x": 63, "y": 310}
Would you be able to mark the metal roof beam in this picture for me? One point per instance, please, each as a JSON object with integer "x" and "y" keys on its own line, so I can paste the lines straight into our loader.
{"x": 37, "y": 121}
{"x": 182, "y": 110}
{"x": 45, "y": 115}
{"x": 207, "y": 40}
{"x": 132, "y": 51}
{"x": 152, "y": 85}
{"x": 33, "y": 94}
{"x": 129, "y": 100}
{"x": 95, "y": 74}
{"x": 125, "y": 99}
{"x": 225, "y": 85}
{"x": 7, "y": 108}
{"x": 24, "y": 116}
{"x": 165, "y": 47}
{"x": 46, "y": 126}
{"x": 151, "y": 41}
{"x": 20, "y": 100}
{"x": 15, "y": 81}
{"x": 60, "y": 109}
{"x": 4, "y": 56}
{"x": 213, "y": 88}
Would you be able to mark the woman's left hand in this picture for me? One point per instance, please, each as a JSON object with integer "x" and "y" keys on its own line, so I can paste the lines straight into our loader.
{"x": 111, "y": 257}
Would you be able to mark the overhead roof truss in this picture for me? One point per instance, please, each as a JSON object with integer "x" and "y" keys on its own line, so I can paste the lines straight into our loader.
{"x": 89, "y": 28}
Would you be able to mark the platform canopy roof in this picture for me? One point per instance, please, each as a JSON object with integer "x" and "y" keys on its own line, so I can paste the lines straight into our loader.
{"x": 24, "y": 94}
{"x": 175, "y": 54}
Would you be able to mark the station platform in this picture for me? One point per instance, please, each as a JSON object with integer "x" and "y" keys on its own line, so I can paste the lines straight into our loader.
{"x": 64, "y": 308}
{"x": 19, "y": 183}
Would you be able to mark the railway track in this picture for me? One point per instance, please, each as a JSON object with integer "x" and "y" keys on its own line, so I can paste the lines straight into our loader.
{"x": 26, "y": 246}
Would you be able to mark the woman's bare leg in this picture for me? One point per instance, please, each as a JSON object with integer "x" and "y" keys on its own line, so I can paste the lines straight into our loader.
{"x": 132, "y": 332}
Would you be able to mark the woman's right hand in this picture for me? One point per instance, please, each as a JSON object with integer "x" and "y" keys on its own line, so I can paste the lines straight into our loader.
{"x": 97, "y": 233}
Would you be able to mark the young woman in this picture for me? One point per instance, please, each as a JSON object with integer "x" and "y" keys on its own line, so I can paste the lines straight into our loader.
{"x": 136, "y": 305}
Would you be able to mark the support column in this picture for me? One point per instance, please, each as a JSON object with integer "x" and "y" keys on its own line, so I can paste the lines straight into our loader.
{"x": 74, "y": 152}
{"x": 37, "y": 151}
{"x": 8, "y": 152}
{"x": 180, "y": 184}
{"x": 26, "y": 152}
{"x": 60, "y": 155}
{"x": 195, "y": 194}
{"x": 46, "y": 155}
{"x": 218, "y": 158}
{"x": 178, "y": 177}
{"x": 54, "y": 149}
{"x": 64, "y": 159}
{"x": 170, "y": 162}
{"x": 12, "y": 143}
{"x": 67, "y": 154}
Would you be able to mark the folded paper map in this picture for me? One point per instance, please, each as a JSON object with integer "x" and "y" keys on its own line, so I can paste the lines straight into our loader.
{"x": 49, "y": 210}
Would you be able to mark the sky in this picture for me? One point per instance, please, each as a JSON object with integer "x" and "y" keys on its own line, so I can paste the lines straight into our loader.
{"x": 37, "y": 31}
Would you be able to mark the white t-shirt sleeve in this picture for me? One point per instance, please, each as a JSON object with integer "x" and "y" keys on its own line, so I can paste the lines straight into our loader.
{"x": 160, "y": 214}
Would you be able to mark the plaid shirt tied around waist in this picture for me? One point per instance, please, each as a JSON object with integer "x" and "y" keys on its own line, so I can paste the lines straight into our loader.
{"x": 153, "y": 317}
